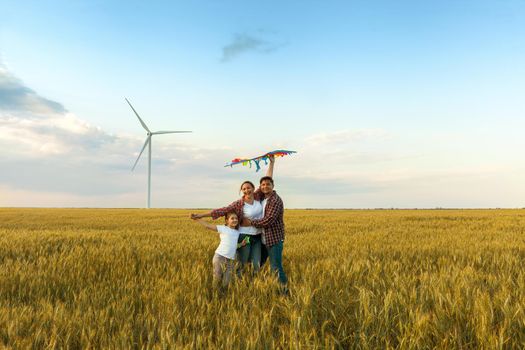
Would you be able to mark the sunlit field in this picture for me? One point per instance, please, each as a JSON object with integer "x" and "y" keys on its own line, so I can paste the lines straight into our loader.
{"x": 96, "y": 278}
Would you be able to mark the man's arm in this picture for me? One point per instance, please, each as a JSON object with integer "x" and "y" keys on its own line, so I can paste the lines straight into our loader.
{"x": 258, "y": 195}
{"x": 271, "y": 214}
{"x": 269, "y": 172}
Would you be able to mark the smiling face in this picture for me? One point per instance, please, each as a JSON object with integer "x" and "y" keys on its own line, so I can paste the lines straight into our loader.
{"x": 232, "y": 220}
{"x": 247, "y": 189}
{"x": 266, "y": 187}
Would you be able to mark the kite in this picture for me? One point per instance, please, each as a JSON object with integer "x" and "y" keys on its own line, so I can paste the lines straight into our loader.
{"x": 256, "y": 160}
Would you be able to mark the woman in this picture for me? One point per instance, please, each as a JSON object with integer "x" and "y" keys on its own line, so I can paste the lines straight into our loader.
{"x": 249, "y": 206}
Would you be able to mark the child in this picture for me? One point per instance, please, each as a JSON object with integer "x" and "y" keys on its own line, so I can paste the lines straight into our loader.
{"x": 225, "y": 253}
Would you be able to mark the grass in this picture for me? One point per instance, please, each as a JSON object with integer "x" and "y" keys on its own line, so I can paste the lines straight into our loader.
{"x": 142, "y": 279}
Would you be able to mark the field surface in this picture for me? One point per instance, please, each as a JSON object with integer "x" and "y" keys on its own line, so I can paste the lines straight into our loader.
{"x": 142, "y": 279}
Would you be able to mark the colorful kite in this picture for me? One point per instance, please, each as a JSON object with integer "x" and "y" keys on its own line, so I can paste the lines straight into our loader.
{"x": 256, "y": 160}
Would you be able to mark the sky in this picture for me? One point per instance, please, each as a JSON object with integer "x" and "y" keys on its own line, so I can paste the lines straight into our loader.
{"x": 389, "y": 104}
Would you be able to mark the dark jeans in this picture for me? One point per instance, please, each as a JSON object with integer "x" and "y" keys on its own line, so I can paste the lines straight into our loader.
{"x": 275, "y": 254}
{"x": 250, "y": 253}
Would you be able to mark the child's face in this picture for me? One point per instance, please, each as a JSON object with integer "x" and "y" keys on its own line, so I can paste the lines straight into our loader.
{"x": 232, "y": 221}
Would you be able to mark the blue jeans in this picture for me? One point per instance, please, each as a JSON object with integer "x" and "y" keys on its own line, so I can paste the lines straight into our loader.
{"x": 275, "y": 254}
{"x": 250, "y": 253}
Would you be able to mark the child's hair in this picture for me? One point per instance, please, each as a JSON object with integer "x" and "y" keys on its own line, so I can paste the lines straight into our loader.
{"x": 228, "y": 214}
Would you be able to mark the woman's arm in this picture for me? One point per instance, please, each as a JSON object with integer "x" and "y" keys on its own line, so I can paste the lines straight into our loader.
{"x": 200, "y": 216}
{"x": 217, "y": 213}
{"x": 235, "y": 207}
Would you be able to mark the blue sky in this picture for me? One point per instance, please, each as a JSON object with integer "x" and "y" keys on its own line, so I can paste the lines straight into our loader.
{"x": 389, "y": 104}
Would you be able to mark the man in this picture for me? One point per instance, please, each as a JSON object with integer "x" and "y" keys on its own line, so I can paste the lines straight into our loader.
{"x": 272, "y": 224}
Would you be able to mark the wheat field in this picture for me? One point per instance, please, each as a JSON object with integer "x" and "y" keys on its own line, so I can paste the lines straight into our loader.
{"x": 363, "y": 279}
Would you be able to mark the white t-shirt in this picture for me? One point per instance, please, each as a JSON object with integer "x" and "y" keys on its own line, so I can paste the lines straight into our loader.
{"x": 228, "y": 245}
{"x": 252, "y": 211}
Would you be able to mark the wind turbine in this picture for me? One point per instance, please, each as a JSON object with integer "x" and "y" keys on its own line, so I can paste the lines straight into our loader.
{"x": 148, "y": 143}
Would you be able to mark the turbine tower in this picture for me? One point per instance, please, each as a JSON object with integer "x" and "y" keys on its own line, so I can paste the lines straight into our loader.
{"x": 148, "y": 143}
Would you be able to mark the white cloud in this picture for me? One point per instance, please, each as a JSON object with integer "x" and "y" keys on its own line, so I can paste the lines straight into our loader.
{"x": 51, "y": 157}
{"x": 56, "y": 134}
{"x": 35, "y": 126}
{"x": 48, "y": 152}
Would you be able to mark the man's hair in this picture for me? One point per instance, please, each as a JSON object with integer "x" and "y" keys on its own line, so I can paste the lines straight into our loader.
{"x": 266, "y": 178}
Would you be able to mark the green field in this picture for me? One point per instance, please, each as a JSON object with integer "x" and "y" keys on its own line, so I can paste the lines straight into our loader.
{"x": 81, "y": 278}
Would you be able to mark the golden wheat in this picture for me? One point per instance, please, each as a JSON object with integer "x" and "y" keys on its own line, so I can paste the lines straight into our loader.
{"x": 410, "y": 279}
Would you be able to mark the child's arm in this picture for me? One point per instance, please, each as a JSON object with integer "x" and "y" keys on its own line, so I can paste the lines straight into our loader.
{"x": 204, "y": 223}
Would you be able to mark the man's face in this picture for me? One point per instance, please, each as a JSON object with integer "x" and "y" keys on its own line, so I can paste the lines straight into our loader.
{"x": 266, "y": 187}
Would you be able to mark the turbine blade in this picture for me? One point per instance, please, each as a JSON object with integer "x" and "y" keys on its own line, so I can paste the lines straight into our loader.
{"x": 145, "y": 144}
{"x": 169, "y": 132}
{"x": 140, "y": 120}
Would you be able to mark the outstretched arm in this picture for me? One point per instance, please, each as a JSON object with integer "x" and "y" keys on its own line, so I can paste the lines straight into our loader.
{"x": 269, "y": 172}
{"x": 204, "y": 223}
{"x": 200, "y": 216}
{"x": 235, "y": 207}
{"x": 216, "y": 213}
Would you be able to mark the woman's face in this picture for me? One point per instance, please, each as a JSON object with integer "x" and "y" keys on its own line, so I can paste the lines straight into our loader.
{"x": 247, "y": 189}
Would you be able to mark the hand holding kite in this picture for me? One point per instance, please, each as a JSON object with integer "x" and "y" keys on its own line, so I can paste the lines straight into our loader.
{"x": 256, "y": 160}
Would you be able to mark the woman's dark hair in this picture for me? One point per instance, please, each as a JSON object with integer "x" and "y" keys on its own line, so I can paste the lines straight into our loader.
{"x": 228, "y": 214}
{"x": 247, "y": 182}
{"x": 266, "y": 178}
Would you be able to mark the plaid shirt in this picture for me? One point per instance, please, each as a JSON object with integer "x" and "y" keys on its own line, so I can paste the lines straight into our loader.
{"x": 236, "y": 207}
{"x": 272, "y": 222}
